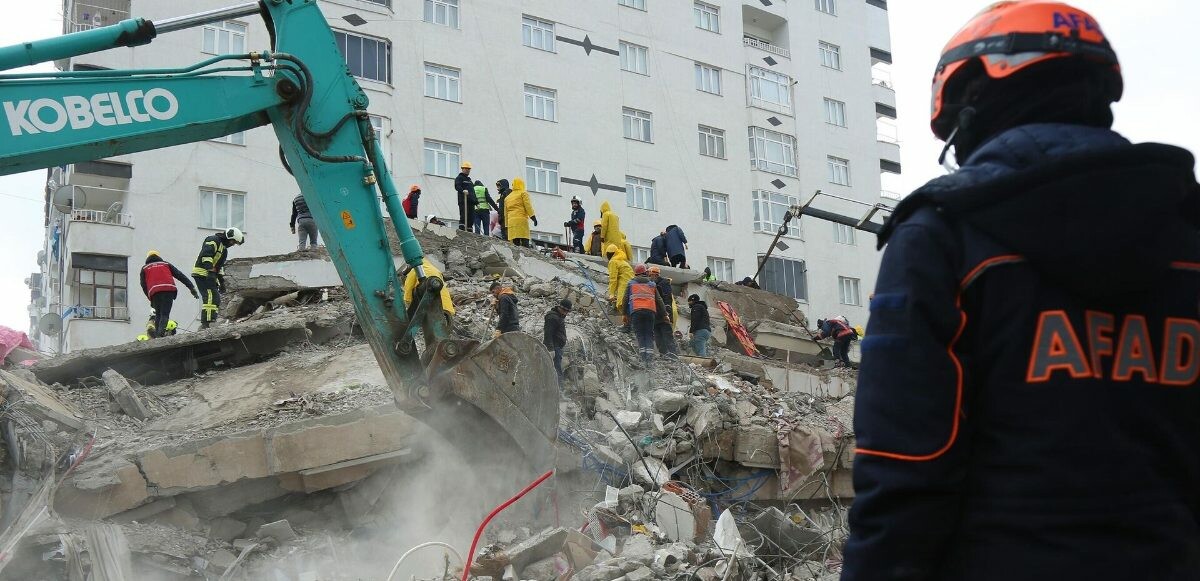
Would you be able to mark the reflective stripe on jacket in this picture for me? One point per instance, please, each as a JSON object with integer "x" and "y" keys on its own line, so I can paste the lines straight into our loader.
{"x": 211, "y": 258}
{"x": 158, "y": 278}
{"x": 642, "y": 296}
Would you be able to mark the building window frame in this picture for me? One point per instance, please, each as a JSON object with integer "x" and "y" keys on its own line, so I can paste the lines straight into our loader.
{"x": 441, "y": 12}
{"x": 541, "y": 176}
{"x": 712, "y": 141}
{"x": 541, "y": 103}
{"x": 708, "y": 79}
{"x": 640, "y": 193}
{"x": 634, "y": 58}
{"x": 230, "y": 33}
{"x": 635, "y": 4}
{"x": 707, "y": 16}
{"x": 769, "y": 209}
{"x": 835, "y": 112}
{"x": 785, "y": 276}
{"x": 838, "y": 170}
{"x": 537, "y": 33}
{"x": 843, "y": 234}
{"x": 714, "y": 207}
{"x": 769, "y": 89}
{"x": 88, "y": 285}
{"x": 722, "y": 268}
{"x": 830, "y": 55}
{"x": 210, "y": 211}
{"x": 763, "y": 143}
{"x": 850, "y": 291}
{"x": 443, "y": 83}
{"x": 637, "y": 124}
{"x": 826, "y": 6}
{"x": 382, "y": 61}
{"x": 441, "y": 154}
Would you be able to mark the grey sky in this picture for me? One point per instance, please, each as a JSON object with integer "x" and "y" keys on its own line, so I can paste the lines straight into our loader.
{"x": 1161, "y": 88}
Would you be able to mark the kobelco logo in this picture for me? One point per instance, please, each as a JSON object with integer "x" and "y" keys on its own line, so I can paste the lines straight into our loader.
{"x": 50, "y": 115}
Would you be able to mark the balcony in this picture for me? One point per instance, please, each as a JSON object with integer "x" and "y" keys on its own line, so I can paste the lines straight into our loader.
{"x": 102, "y": 217}
{"x": 766, "y": 46}
{"x": 80, "y": 16}
{"x": 101, "y": 313}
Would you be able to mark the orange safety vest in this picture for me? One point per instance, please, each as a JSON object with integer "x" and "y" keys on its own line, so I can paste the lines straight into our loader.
{"x": 642, "y": 295}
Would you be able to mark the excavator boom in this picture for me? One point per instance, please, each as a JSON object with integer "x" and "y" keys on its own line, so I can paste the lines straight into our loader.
{"x": 302, "y": 88}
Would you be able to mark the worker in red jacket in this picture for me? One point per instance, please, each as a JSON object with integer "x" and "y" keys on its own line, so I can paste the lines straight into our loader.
{"x": 158, "y": 283}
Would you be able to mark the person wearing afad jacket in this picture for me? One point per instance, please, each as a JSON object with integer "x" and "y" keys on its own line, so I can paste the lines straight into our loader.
{"x": 619, "y": 275}
{"x": 610, "y": 226}
{"x": 1029, "y": 389}
{"x": 518, "y": 209}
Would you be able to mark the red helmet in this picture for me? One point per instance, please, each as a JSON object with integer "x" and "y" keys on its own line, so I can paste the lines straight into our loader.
{"x": 639, "y": 269}
{"x": 1012, "y": 36}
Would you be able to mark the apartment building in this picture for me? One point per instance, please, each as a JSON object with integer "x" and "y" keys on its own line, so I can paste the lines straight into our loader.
{"x": 715, "y": 115}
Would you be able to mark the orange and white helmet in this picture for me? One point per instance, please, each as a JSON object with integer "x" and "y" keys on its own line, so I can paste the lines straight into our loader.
{"x": 1012, "y": 36}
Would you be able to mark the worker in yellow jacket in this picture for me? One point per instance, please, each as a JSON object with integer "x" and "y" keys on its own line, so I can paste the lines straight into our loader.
{"x": 626, "y": 247}
{"x": 410, "y": 285}
{"x": 619, "y": 275}
{"x": 518, "y": 211}
{"x": 610, "y": 228}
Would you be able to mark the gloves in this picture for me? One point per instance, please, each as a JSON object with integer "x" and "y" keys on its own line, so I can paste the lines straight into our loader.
{"x": 567, "y": 224}
{"x": 534, "y": 218}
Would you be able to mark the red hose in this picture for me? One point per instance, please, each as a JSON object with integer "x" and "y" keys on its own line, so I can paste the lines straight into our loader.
{"x": 490, "y": 516}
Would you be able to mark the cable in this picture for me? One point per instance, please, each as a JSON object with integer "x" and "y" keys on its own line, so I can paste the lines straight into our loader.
{"x": 422, "y": 546}
{"x": 491, "y": 515}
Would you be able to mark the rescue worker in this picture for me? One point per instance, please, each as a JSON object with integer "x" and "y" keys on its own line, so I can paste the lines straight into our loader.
{"x": 554, "y": 334}
{"x": 610, "y": 226}
{"x": 676, "y": 246}
{"x": 645, "y": 310}
{"x": 842, "y": 334}
{"x": 701, "y": 326}
{"x": 664, "y": 330}
{"x": 158, "y": 284}
{"x": 483, "y": 206}
{"x": 410, "y": 287}
{"x": 411, "y": 201}
{"x": 464, "y": 191}
{"x": 1027, "y": 399}
{"x": 619, "y": 274}
{"x": 303, "y": 223}
{"x": 209, "y": 271}
{"x": 519, "y": 210}
{"x": 626, "y": 247}
{"x": 508, "y": 317}
{"x": 708, "y": 275}
{"x": 595, "y": 242}
{"x": 578, "y": 218}
{"x": 171, "y": 329}
{"x": 658, "y": 250}
{"x": 503, "y": 190}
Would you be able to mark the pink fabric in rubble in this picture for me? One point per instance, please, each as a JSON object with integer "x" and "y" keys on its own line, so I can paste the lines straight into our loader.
{"x": 11, "y": 339}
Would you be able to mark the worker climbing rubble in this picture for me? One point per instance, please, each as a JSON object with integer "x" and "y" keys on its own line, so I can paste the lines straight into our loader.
{"x": 700, "y": 326}
{"x": 158, "y": 283}
{"x": 619, "y": 275}
{"x": 209, "y": 271}
{"x": 664, "y": 329}
{"x": 646, "y": 311}
{"x": 1027, "y": 396}
{"x": 508, "y": 317}
{"x": 838, "y": 329}
{"x": 554, "y": 333}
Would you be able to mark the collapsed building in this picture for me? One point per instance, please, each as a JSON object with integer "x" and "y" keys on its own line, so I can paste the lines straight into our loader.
{"x": 270, "y": 447}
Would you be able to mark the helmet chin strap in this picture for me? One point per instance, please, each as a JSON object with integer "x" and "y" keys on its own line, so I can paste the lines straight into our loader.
{"x": 965, "y": 117}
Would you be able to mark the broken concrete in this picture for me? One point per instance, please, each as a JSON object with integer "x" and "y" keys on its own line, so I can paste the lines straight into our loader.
{"x": 39, "y": 401}
{"x": 125, "y": 396}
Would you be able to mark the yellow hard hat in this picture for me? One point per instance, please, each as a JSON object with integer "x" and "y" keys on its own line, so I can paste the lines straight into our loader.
{"x": 153, "y": 253}
{"x": 465, "y": 165}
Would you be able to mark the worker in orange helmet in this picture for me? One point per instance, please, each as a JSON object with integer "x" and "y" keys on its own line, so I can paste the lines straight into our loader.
{"x": 1027, "y": 400}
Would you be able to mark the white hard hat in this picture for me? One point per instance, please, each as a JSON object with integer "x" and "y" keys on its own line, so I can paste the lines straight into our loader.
{"x": 235, "y": 235}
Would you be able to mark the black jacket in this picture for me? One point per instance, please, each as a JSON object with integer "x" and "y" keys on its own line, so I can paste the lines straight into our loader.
{"x": 299, "y": 210}
{"x": 1027, "y": 402}
{"x": 664, "y": 293}
{"x": 463, "y": 182}
{"x": 658, "y": 250}
{"x": 578, "y": 217}
{"x": 213, "y": 252}
{"x": 506, "y": 308}
{"x": 503, "y": 190}
{"x": 699, "y": 317}
{"x": 554, "y": 336}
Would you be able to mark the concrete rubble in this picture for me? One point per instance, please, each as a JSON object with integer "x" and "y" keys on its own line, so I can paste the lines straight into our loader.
{"x": 269, "y": 447}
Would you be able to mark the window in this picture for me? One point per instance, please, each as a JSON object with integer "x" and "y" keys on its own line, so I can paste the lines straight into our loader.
{"x": 769, "y": 211}
{"x": 541, "y": 176}
{"x": 441, "y": 158}
{"x": 443, "y": 83}
{"x": 639, "y": 4}
{"x": 443, "y": 12}
{"x": 635, "y": 58}
{"x": 238, "y": 138}
{"x": 387, "y": 3}
{"x": 639, "y": 193}
{"x": 843, "y": 234}
{"x": 848, "y": 289}
{"x": 770, "y": 89}
{"x": 541, "y": 103}
{"x": 722, "y": 268}
{"x": 637, "y": 124}
{"x": 640, "y": 254}
{"x": 715, "y": 207}
{"x": 886, "y": 130}
{"x": 835, "y": 112}
{"x": 826, "y": 6}
{"x": 101, "y": 294}
{"x": 368, "y": 58}
{"x": 708, "y": 79}
{"x": 708, "y": 17}
{"x": 831, "y": 55}
{"x": 226, "y": 37}
{"x": 712, "y": 141}
{"x": 785, "y": 277}
{"x": 772, "y": 151}
{"x": 379, "y": 125}
{"x": 220, "y": 210}
{"x": 537, "y": 33}
{"x": 839, "y": 170}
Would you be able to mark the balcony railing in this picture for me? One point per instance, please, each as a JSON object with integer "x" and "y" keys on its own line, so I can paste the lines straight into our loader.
{"x": 107, "y": 313}
{"x": 889, "y": 195}
{"x": 102, "y": 217}
{"x": 756, "y": 43}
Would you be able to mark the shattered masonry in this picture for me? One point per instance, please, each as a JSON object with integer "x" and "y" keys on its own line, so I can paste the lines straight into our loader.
{"x": 270, "y": 447}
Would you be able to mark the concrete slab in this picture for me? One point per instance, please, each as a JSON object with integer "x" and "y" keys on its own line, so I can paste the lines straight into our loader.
{"x": 99, "y": 489}
{"x": 40, "y": 401}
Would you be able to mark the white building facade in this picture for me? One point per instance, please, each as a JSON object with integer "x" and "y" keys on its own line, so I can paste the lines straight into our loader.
{"x": 715, "y": 116}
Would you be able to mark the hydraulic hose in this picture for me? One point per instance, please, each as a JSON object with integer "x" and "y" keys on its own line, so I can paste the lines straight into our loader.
{"x": 490, "y": 516}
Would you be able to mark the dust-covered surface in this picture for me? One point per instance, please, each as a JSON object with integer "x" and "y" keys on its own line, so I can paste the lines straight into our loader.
{"x": 286, "y": 458}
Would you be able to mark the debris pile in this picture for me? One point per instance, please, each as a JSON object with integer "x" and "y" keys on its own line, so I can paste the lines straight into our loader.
{"x": 269, "y": 447}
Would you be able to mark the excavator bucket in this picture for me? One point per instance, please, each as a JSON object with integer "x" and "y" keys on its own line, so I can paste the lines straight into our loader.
{"x": 499, "y": 401}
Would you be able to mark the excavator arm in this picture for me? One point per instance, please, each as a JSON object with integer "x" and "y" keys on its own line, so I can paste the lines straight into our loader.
{"x": 504, "y": 393}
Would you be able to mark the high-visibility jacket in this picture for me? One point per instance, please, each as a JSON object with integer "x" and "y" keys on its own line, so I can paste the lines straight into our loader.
{"x": 158, "y": 278}
{"x": 643, "y": 296}
{"x": 481, "y": 199}
{"x": 211, "y": 258}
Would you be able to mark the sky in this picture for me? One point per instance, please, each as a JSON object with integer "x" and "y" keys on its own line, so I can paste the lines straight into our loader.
{"x": 1161, "y": 88}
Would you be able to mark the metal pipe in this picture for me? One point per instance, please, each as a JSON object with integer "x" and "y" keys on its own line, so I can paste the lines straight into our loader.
{"x": 199, "y": 18}
{"x": 871, "y": 227}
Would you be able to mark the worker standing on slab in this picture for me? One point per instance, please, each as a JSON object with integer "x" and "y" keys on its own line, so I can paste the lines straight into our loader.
{"x": 1027, "y": 401}
{"x": 664, "y": 330}
{"x": 578, "y": 218}
{"x": 645, "y": 309}
{"x": 412, "y": 201}
{"x": 842, "y": 334}
{"x": 302, "y": 222}
{"x": 158, "y": 283}
{"x": 508, "y": 317}
{"x": 595, "y": 242}
{"x": 700, "y": 327}
{"x": 554, "y": 334}
{"x": 484, "y": 204}
{"x": 209, "y": 271}
{"x": 518, "y": 208}
{"x": 464, "y": 190}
